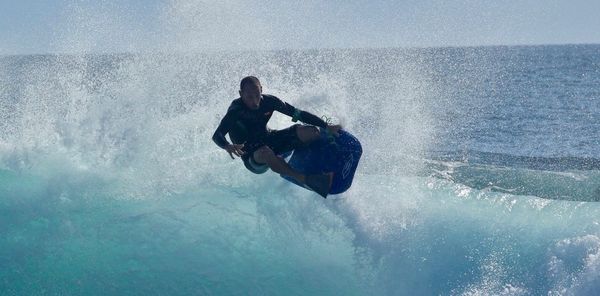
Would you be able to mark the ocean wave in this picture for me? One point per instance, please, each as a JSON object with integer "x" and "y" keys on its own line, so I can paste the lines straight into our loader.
{"x": 565, "y": 178}
{"x": 544, "y": 163}
{"x": 109, "y": 182}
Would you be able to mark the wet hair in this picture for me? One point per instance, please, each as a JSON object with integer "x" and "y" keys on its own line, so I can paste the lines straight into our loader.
{"x": 249, "y": 80}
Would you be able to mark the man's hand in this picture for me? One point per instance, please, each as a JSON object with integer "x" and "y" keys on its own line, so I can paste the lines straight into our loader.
{"x": 235, "y": 149}
{"x": 333, "y": 129}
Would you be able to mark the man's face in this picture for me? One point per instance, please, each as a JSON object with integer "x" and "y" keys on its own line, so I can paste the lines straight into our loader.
{"x": 251, "y": 95}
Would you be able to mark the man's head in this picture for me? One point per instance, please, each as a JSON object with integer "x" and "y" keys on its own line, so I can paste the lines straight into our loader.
{"x": 250, "y": 92}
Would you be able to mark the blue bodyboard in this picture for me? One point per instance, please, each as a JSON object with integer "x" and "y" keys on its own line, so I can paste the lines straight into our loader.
{"x": 339, "y": 155}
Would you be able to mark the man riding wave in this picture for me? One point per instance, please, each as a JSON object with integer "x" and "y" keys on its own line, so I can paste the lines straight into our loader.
{"x": 261, "y": 148}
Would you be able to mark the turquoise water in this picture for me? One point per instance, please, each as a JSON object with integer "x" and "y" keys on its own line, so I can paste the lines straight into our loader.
{"x": 479, "y": 175}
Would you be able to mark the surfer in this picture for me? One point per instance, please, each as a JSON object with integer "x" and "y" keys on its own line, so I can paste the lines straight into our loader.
{"x": 261, "y": 148}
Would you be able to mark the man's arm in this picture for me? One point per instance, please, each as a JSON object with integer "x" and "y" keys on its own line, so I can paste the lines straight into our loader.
{"x": 298, "y": 114}
{"x": 223, "y": 128}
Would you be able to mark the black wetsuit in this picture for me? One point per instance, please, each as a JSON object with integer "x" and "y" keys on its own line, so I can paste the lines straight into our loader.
{"x": 249, "y": 127}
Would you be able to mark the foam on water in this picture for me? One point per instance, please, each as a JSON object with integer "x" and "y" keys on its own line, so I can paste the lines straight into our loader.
{"x": 388, "y": 235}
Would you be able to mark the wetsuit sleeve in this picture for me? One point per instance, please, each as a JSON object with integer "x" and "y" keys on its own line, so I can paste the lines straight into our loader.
{"x": 224, "y": 127}
{"x": 297, "y": 114}
{"x": 310, "y": 118}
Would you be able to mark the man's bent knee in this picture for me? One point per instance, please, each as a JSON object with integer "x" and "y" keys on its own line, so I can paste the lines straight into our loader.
{"x": 262, "y": 154}
{"x": 308, "y": 133}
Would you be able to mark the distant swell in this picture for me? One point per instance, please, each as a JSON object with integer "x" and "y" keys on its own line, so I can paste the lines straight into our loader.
{"x": 561, "y": 163}
{"x": 565, "y": 178}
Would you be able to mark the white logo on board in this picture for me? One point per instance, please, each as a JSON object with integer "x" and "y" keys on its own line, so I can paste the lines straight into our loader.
{"x": 347, "y": 166}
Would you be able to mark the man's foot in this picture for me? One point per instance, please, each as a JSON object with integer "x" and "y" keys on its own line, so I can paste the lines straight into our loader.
{"x": 320, "y": 183}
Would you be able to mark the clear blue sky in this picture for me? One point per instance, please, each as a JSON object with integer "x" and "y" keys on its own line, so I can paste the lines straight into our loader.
{"x": 46, "y": 26}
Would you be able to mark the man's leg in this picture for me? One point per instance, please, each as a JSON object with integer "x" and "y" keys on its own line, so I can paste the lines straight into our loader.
{"x": 264, "y": 154}
{"x": 320, "y": 183}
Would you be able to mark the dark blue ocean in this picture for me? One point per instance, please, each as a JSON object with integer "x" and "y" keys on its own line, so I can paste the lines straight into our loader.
{"x": 480, "y": 175}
